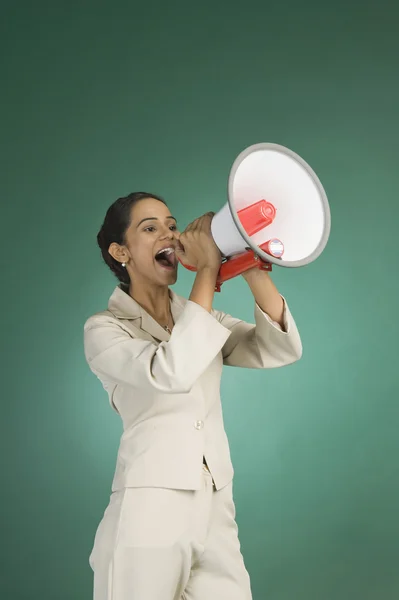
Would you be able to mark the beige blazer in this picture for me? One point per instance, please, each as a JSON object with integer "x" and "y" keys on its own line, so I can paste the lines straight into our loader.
{"x": 166, "y": 387}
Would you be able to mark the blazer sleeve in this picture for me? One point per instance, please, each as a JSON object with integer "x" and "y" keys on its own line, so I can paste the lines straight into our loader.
{"x": 171, "y": 367}
{"x": 262, "y": 345}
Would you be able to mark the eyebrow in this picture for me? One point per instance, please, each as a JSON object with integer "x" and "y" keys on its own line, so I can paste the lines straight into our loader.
{"x": 153, "y": 219}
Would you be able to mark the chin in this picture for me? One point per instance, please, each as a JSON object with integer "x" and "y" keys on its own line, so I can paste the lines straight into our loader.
{"x": 168, "y": 278}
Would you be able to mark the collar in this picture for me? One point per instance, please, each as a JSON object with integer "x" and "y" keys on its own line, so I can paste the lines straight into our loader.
{"x": 122, "y": 306}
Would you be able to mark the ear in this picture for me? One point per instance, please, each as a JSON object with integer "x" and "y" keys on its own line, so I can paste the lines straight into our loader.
{"x": 118, "y": 252}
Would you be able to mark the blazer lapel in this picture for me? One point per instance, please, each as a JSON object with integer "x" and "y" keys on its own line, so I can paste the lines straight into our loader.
{"x": 151, "y": 326}
{"x": 124, "y": 307}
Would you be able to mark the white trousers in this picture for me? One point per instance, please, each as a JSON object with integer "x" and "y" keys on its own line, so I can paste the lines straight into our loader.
{"x": 162, "y": 544}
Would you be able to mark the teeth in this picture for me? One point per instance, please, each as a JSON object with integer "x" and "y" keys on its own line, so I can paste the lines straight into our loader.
{"x": 166, "y": 251}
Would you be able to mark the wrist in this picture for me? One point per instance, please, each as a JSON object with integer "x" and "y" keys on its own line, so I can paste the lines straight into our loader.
{"x": 203, "y": 289}
{"x": 211, "y": 269}
{"x": 255, "y": 273}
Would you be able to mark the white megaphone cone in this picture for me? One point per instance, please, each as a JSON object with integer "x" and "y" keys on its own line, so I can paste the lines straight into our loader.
{"x": 277, "y": 213}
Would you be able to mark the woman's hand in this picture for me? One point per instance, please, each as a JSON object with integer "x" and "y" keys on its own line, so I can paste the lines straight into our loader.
{"x": 196, "y": 247}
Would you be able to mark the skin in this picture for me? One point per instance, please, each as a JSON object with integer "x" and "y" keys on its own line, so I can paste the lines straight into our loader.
{"x": 152, "y": 228}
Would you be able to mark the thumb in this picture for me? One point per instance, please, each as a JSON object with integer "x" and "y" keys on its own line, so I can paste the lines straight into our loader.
{"x": 182, "y": 257}
{"x": 180, "y": 254}
{"x": 179, "y": 249}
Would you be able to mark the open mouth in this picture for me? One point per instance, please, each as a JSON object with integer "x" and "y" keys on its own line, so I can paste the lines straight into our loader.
{"x": 166, "y": 258}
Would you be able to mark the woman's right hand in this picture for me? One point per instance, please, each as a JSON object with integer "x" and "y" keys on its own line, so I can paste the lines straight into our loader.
{"x": 196, "y": 247}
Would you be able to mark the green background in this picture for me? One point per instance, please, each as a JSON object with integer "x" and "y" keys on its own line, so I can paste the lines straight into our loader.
{"x": 100, "y": 99}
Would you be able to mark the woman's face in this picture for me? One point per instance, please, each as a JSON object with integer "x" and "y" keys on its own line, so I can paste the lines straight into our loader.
{"x": 150, "y": 241}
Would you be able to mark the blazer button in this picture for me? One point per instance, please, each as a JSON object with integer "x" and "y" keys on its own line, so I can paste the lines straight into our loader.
{"x": 198, "y": 424}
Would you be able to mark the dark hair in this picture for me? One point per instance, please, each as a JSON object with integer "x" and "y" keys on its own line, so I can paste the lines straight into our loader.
{"x": 113, "y": 229}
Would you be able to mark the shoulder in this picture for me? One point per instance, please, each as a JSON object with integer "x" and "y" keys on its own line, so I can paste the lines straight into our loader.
{"x": 100, "y": 318}
{"x": 104, "y": 327}
{"x": 104, "y": 331}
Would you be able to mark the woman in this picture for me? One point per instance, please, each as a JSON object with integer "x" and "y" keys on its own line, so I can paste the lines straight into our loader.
{"x": 169, "y": 530}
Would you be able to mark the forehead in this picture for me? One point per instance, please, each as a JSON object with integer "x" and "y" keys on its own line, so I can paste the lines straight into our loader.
{"x": 148, "y": 208}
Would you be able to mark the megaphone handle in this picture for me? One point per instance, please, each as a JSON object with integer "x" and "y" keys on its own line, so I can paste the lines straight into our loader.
{"x": 239, "y": 264}
{"x": 236, "y": 265}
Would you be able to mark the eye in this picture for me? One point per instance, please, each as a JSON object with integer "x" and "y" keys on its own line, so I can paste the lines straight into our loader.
{"x": 151, "y": 228}
{"x": 173, "y": 227}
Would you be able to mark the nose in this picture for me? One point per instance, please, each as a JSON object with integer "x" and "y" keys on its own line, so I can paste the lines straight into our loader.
{"x": 167, "y": 234}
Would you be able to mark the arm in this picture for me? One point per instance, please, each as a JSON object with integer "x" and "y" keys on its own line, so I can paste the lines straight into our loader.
{"x": 273, "y": 341}
{"x": 266, "y": 295}
{"x": 197, "y": 337}
{"x": 171, "y": 367}
{"x": 203, "y": 290}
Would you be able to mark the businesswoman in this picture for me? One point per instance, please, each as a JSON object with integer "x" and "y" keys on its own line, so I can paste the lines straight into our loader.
{"x": 169, "y": 530}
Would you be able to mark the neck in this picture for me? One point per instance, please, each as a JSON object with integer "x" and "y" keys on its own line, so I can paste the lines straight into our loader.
{"x": 154, "y": 299}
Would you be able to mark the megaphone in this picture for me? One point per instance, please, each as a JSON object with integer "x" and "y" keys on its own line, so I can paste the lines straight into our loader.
{"x": 277, "y": 213}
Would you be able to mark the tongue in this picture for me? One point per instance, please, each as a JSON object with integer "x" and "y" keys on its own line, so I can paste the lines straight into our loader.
{"x": 172, "y": 260}
{"x": 167, "y": 260}
{"x": 164, "y": 262}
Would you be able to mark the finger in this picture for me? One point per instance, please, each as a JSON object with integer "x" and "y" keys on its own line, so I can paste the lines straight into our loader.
{"x": 181, "y": 240}
{"x": 194, "y": 224}
{"x": 197, "y": 224}
{"x": 179, "y": 251}
{"x": 202, "y": 226}
{"x": 203, "y": 221}
{"x": 206, "y": 220}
